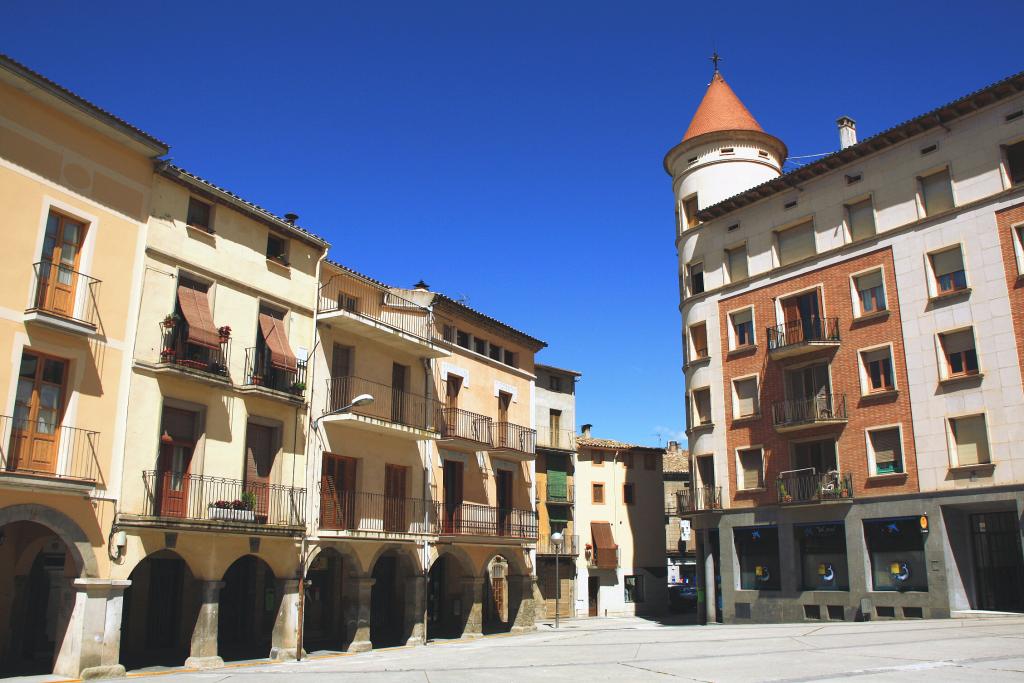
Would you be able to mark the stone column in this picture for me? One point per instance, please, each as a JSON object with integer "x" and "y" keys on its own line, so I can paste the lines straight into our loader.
{"x": 204, "y": 635}
{"x": 526, "y": 616}
{"x": 415, "y": 606}
{"x": 89, "y": 615}
{"x": 286, "y": 627}
{"x": 710, "y": 598}
{"x": 357, "y": 614}
{"x": 473, "y": 606}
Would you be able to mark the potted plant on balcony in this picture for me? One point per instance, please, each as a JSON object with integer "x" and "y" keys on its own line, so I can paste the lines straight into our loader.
{"x": 170, "y": 321}
{"x": 298, "y": 387}
{"x": 784, "y": 492}
{"x": 238, "y": 510}
{"x": 167, "y": 355}
{"x": 225, "y": 333}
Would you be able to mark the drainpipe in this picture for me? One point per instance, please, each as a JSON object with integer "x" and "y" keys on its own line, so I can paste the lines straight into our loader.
{"x": 428, "y": 376}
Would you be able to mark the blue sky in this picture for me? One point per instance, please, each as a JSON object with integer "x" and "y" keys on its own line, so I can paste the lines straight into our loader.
{"x": 509, "y": 153}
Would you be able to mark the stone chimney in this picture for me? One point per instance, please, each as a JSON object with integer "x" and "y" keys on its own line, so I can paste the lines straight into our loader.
{"x": 673, "y": 446}
{"x": 847, "y": 131}
{"x": 586, "y": 430}
{"x": 421, "y": 286}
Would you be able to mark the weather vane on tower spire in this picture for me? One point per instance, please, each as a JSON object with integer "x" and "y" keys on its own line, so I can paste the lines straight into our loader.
{"x": 715, "y": 59}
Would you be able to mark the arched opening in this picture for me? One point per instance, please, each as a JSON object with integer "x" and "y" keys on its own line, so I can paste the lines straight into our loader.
{"x": 447, "y": 612}
{"x": 391, "y": 617}
{"x": 249, "y": 602}
{"x": 36, "y": 574}
{"x": 502, "y": 595}
{"x": 323, "y": 618}
{"x": 159, "y": 612}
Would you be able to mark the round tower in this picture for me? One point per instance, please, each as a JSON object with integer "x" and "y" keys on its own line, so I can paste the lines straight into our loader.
{"x": 724, "y": 152}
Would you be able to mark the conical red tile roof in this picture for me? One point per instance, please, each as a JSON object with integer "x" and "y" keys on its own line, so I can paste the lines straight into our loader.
{"x": 720, "y": 110}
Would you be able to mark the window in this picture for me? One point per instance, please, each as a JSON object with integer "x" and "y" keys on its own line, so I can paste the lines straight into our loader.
{"x": 627, "y": 460}
{"x": 702, "y": 405}
{"x": 751, "y": 469}
{"x": 936, "y": 192}
{"x": 968, "y": 440}
{"x": 597, "y": 494}
{"x": 1015, "y": 163}
{"x": 462, "y": 339}
{"x": 705, "y": 470}
{"x": 554, "y": 383}
{"x": 819, "y": 456}
{"x": 480, "y": 346}
{"x": 896, "y": 551}
{"x": 199, "y": 215}
{"x": 726, "y": 151}
{"x": 742, "y": 323}
{"x": 699, "y": 340}
{"x": 795, "y": 243}
{"x": 860, "y": 220}
{"x": 823, "y": 557}
{"x": 878, "y": 369}
{"x": 496, "y": 352}
{"x": 1019, "y": 231}
{"x": 598, "y": 458}
{"x": 757, "y": 549}
{"x": 886, "y": 449}
{"x": 277, "y": 249}
{"x": 959, "y": 352}
{"x": 59, "y": 261}
{"x": 650, "y": 461}
{"x": 634, "y": 588}
{"x": 690, "y": 211}
{"x": 746, "y": 397}
{"x": 449, "y": 334}
{"x": 509, "y": 358}
{"x": 38, "y": 410}
{"x": 627, "y": 494}
{"x": 696, "y": 276}
{"x": 870, "y": 293}
{"x": 948, "y": 268}
{"x": 736, "y": 263}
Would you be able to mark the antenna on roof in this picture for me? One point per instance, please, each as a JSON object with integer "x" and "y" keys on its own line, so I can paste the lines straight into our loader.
{"x": 658, "y": 434}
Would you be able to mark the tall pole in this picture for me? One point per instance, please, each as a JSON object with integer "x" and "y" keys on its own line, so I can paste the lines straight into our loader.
{"x": 558, "y": 583}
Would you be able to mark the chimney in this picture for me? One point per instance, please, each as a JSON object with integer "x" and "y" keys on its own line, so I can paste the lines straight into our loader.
{"x": 847, "y": 131}
{"x": 421, "y": 286}
{"x": 586, "y": 431}
{"x": 673, "y": 446}
{"x": 290, "y": 218}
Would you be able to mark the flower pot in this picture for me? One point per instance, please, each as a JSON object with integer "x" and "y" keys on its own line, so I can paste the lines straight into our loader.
{"x": 231, "y": 514}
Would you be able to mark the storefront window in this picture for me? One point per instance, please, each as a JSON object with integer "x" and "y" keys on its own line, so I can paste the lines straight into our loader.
{"x": 896, "y": 549}
{"x": 758, "y": 552}
{"x": 823, "y": 557}
{"x": 634, "y": 586}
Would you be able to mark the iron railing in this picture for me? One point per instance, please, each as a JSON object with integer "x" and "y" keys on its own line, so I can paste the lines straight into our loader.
{"x": 803, "y": 331}
{"x": 47, "y": 449}
{"x": 474, "y": 519}
{"x": 563, "y": 439}
{"x": 462, "y": 424}
{"x": 807, "y": 486}
{"x": 64, "y": 292}
{"x": 699, "y": 499}
{"x": 176, "y": 350}
{"x": 375, "y": 512}
{"x": 570, "y": 545}
{"x": 389, "y": 404}
{"x": 365, "y": 299}
{"x": 180, "y": 495}
{"x": 823, "y": 408}
{"x": 559, "y": 492}
{"x": 515, "y": 437}
{"x": 259, "y": 372}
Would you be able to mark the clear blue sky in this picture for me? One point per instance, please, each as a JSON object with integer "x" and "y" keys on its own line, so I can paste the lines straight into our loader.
{"x": 507, "y": 152}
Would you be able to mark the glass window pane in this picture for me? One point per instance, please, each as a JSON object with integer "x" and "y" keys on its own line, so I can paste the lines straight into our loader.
{"x": 896, "y": 550}
{"x": 53, "y": 371}
{"x": 823, "y": 557}
{"x": 758, "y": 551}
{"x": 29, "y": 365}
{"x": 49, "y": 396}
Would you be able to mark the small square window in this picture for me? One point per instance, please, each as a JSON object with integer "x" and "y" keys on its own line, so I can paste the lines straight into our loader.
{"x": 959, "y": 352}
{"x": 746, "y": 397}
{"x": 742, "y": 323}
{"x": 554, "y": 383}
{"x": 968, "y": 440}
{"x": 796, "y": 243}
{"x": 598, "y": 458}
{"x": 1015, "y": 163}
{"x": 702, "y": 405}
{"x": 887, "y": 450}
{"x": 699, "y": 340}
{"x": 936, "y": 192}
{"x": 948, "y": 268}
{"x": 860, "y": 220}
{"x": 495, "y": 352}
{"x": 696, "y": 276}
{"x": 277, "y": 249}
{"x": 449, "y": 333}
{"x": 509, "y": 358}
{"x": 462, "y": 339}
{"x": 751, "y": 473}
{"x": 878, "y": 370}
{"x": 627, "y": 494}
{"x": 199, "y": 214}
{"x": 480, "y": 346}
{"x": 690, "y": 209}
{"x": 736, "y": 263}
{"x": 634, "y": 588}
{"x": 870, "y": 293}
{"x": 597, "y": 494}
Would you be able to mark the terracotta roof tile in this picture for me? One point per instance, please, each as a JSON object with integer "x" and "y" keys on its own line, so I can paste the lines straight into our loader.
{"x": 720, "y": 110}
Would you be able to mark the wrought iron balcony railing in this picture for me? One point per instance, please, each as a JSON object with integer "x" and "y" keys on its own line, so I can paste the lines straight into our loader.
{"x": 259, "y": 372}
{"x": 563, "y": 439}
{"x": 176, "y": 350}
{"x": 822, "y": 409}
{"x": 47, "y": 449}
{"x": 570, "y": 545}
{"x": 513, "y": 437}
{"x": 699, "y": 499}
{"x": 808, "y": 486}
{"x": 803, "y": 331}
{"x": 559, "y": 492}
{"x": 64, "y": 292}
{"x": 362, "y": 298}
{"x": 389, "y": 404}
{"x": 181, "y": 495}
{"x": 462, "y": 424}
{"x": 375, "y": 512}
{"x": 473, "y": 519}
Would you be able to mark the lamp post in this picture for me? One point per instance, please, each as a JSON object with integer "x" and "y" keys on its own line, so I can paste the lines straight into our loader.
{"x": 360, "y": 400}
{"x": 556, "y": 541}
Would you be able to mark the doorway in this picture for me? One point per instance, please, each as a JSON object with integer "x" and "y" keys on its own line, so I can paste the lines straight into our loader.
{"x": 998, "y": 564}
{"x": 802, "y": 314}
{"x": 177, "y": 444}
{"x": 38, "y": 405}
{"x": 386, "y": 604}
{"x": 259, "y": 459}
{"x": 452, "y": 481}
{"x": 338, "y": 492}
{"x": 395, "y": 519}
{"x": 58, "y": 269}
{"x": 399, "y": 407}
{"x": 503, "y": 491}
{"x": 593, "y": 589}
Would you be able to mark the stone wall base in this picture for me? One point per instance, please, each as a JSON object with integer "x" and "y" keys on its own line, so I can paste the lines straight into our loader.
{"x": 204, "y": 663}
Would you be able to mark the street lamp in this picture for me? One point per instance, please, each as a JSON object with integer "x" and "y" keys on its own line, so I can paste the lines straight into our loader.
{"x": 556, "y": 541}
{"x": 360, "y": 400}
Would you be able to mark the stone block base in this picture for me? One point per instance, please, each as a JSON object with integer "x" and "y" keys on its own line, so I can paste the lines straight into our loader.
{"x": 96, "y": 672}
{"x": 284, "y": 654}
{"x": 414, "y": 641}
{"x": 360, "y": 646}
{"x": 204, "y": 663}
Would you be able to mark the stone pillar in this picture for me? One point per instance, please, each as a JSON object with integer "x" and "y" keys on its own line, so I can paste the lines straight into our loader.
{"x": 415, "y": 606}
{"x": 526, "y": 616}
{"x": 204, "y": 636}
{"x": 89, "y": 615}
{"x": 710, "y": 598}
{"x": 473, "y": 606}
{"x": 286, "y": 627}
{"x": 357, "y": 614}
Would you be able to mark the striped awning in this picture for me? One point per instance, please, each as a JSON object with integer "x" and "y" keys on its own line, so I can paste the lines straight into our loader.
{"x": 195, "y": 307}
{"x": 281, "y": 355}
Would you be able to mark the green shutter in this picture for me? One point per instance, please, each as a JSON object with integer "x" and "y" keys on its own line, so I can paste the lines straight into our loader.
{"x": 558, "y": 513}
{"x": 557, "y": 489}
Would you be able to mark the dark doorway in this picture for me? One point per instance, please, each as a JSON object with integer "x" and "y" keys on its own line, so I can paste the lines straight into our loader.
{"x": 503, "y": 490}
{"x": 159, "y": 611}
{"x": 593, "y": 588}
{"x": 446, "y": 615}
{"x": 386, "y": 604}
{"x": 323, "y": 618}
{"x": 998, "y": 563}
{"x": 249, "y": 602}
{"x": 452, "y": 481}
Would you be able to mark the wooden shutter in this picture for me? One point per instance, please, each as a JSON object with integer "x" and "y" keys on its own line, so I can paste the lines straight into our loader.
{"x": 937, "y": 192}
{"x": 958, "y": 342}
{"x": 195, "y": 307}
{"x": 746, "y": 396}
{"x": 699, "y": 339}
{"x": 946, "y": 262}
{"x": 971, "y": 442}
{"x": 886, "y": 445}
{"x": 750, "y": 461}
{"x": 737, "y": 262}
{"x": 604, "y": 545}
{"x": 281, "y": 356}
{"x": 796, "y": 243}
{"x": 861, "y": 220}
{"x": 869, "y": 281}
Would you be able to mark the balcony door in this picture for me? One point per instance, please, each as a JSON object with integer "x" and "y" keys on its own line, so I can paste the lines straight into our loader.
{"x": 506, "y": 438}
{"x": 177, "y": 445}
{"x": 38, "y": 408}
{"x": 58, "y": 272}
{"x": 259, "y": 459}
{"x": 399, "y": 374}
{"x": 811, "y": 382}
{"x": 817, "y": 455}
{"x": 503, "y": 496}
{"x": 338, "y": 492}
{"x": 452, "y": 482}
{"x": 802, "y": 314}
{"x": 341, "y": 370}
{"x": 395, "y": 477}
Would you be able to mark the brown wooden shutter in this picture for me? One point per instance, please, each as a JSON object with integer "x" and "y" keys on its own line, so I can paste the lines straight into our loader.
{"x": 281, "y": 355}
{"x": 605, "y": 550}
{"x": 195, "y": 306}
{"x": 886, "y": 444}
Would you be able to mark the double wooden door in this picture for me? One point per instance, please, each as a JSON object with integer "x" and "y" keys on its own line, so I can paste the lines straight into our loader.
{"x": 38, "y": 408}
{"x": 803, "y": 318}
{"x": 503, "y": 491}
{"x": 395, "y": 512}
{"x": 177, "y": 444}
{"x": 58, "y": 270}
{"x": 452, "y": 481}
{"x": 338, "y": 492}
{"x": 259, "y": 459}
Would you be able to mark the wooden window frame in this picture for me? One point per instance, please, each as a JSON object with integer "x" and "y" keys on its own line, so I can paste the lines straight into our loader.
{"x": 596, "y": 488}
{"x": 208, "y": 228}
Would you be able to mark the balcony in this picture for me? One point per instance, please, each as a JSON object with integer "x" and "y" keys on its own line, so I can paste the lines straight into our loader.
{"x": 393, "y": 411}
{"x": 570, "y": 546}
{"x": 38, "y": 452}
{"x": 802, "y": 336}
{"x": 473, "y": 519}
{"x": 372, "y": 311}
{"x": 180, "y": 355}
{"x": 559, "y": 493}
{"x": 557, "y": 439}
{"x": 199, "y": 501}
{"x": 462, "y": 425}
{"x": 64, "y": 298}
{"x": 807, "y": 486}
{"x": 700, "y": 499}
{"x": 261, "y": 375}
{"x": 796, "y": 414}
{"x": 516, "y": 441}
{"x": 374, "y": 513}
{"x": 597, "y": 560}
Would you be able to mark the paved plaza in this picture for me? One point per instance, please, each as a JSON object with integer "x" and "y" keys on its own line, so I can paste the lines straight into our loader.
{"x": 629, "y": 649}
